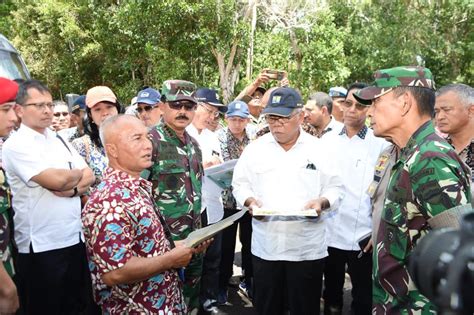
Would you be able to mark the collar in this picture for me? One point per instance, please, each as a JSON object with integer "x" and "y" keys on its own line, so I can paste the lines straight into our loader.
{"x": 132, "y": 183}
{"x": 170, "y": 133}
{"x": 416, "y": 139}
{"x": 48, "y": 133}
{"x": 361, "y": 134}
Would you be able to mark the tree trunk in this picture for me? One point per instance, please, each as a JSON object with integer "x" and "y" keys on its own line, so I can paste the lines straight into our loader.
{"x": 253, "y": 25}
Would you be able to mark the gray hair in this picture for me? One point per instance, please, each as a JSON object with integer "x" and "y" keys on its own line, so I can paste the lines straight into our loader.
{"x": 463, "y": 91}
{"x": 106, "y": 125}
{"x": 322, "y": 99}
{"x": 59, "y": 102}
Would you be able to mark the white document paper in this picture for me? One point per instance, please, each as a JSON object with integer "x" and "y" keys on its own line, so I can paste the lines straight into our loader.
{"x": 197, "y": 237}
{"x": 221, "y": 174}
{"x": 295, "y": 212}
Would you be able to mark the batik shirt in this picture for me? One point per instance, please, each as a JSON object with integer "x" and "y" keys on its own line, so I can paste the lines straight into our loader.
{"x": 93, "y": 155}
{"x": 119, "y": 223}
{"x": 231, "y": 148}
{"x": 466, "y": 154}
{"x": 427, "y": 179}
{"x": 176, "y": 175}
{"x": 5, "y": 225}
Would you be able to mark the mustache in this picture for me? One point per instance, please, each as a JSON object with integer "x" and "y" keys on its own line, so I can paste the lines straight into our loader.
{"x": 184, "y": 117}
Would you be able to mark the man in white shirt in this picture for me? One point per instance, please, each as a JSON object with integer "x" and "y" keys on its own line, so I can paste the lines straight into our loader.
{"x": 212, "y": 207}
{"x": 286, "y": 170}
{"x": 318, "y": 111}
{"x": 356, "y": 153}
{"x": 46, "y": 176}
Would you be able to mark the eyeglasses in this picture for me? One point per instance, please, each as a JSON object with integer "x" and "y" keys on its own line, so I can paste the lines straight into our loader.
{"x": 41, "y": 106}
{"x": 210, "y": 111}
{"x": 189, "y": 106}
{"x": 64, "y": 114}
{"x": 272, "y": 119}
{"x": 358, "y": 106}
{"x": 144, "y": 108}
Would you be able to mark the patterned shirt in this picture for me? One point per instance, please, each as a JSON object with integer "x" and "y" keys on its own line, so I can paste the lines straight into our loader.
{"x": 119, "y": 223}
{"x": 5, "y": 225}
{"x": 466, "y": 154}
{"x": 361, "y": 134}
{"x": 93, "y": 155}
{"x": 231, "y": 148}
{"x": 427, "y": 179}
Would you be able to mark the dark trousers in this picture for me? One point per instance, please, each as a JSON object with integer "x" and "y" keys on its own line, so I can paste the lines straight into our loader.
{"x": 228, "y": 248}
{"x": 210, "y": 267}
{"x": 54, "y": 282}
{"x": 360, "y": 271}
{"x": 300, "y": 282}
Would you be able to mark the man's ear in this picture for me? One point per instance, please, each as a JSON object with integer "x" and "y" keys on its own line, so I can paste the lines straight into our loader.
{"x": 20, "y": 111}
{"x": 408, "y": 103}
{"x": 471, "y": 111}
{"x": 111, "y": 150}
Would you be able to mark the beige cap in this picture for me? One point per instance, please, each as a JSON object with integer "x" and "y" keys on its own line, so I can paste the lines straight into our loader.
{"x": 99, "y": 94}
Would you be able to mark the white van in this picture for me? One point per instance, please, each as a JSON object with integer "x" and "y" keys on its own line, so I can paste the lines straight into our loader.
{"x": 12, "y": 65}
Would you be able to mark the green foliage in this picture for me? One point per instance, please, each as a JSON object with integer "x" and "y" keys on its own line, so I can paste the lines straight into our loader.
{"x": 76, "y": 44}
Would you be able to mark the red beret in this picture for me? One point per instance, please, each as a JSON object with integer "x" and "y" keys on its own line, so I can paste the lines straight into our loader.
{"x": 8, "y": 90}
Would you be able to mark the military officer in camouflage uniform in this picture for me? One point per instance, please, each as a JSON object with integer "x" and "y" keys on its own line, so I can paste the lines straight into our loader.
{"x": 8, "y": 292}
{"x": 426, "y": 181}
{"x": 176, "y": 174}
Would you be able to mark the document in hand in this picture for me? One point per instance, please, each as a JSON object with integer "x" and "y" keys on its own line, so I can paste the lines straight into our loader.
{"x": 222, "y": 174}
{"x": 197, "y": 237}
{"x": 295, "y": 212}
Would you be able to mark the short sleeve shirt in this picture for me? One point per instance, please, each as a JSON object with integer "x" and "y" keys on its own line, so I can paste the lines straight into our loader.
{"x": 120, "y": 223}
{"x": 93, "y": 155}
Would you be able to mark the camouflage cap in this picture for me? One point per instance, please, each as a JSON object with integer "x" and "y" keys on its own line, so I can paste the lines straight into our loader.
{"x": 388, "y": 79}
{"x": 178, "y": 90}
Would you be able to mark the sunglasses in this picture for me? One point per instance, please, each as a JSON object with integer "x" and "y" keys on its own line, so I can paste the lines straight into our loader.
{"x": 189, "y": 106}
{"x": 58, "y": 114}
{"x": 144, "y": 108}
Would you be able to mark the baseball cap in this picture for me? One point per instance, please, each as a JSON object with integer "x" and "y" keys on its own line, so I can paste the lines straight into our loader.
{"x": 79, "y": 103}
{"x": 283, "y": 101}
{"x": 209, "y": 96}
{"x": 337, "y": 91}
{"x": 177, "y": 90}
{"x": 388, "y": 79}
{"x": 238, "y": 108}
{"x": 8, "y": 90}
{"x": 99, "y": 94}
{"x": 148, "y": 96}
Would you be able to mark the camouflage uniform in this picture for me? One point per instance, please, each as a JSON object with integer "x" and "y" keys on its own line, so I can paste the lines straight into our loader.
{"x": 176, "y": 177}
{"x": 427, "y": 179}
{"x": 5, "y": 225}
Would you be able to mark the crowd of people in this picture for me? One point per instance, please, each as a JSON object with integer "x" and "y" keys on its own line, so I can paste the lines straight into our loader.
{"x": 98, "y": 199}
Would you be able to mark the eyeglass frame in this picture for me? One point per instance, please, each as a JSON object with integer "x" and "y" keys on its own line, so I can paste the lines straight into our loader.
{"x": 182, "y": 104}
{"x": 281, "y": 119}
{"x": 40, "y": 106}
{"x": 147, "y": 108}
{"x": 214, "y": 114}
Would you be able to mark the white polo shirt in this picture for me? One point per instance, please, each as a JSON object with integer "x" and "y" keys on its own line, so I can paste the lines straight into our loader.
{"x": 211, "y": 193}
{"x": 356, "y": 158}
{"x": 41, "y": 218}
{"x": 287, "y": 180}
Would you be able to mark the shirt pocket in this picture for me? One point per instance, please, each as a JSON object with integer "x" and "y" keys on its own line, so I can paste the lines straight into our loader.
{"x": 171, "y": 176}
{"x": 395, "y": 233}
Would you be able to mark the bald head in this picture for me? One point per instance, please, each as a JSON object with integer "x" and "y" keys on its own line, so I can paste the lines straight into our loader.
{"x": 126, "y": 142}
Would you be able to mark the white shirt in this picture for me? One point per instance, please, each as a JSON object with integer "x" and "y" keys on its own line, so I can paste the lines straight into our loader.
{"x": 284, "y": 180}
{"x": 356, "y": 159}
{"x": 335, "y": 126}
{"x": 41, "y": 218}
{"x": 211, "y": 193}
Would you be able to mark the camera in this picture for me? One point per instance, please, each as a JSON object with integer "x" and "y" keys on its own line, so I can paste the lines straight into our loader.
{"x": 442, "y": 267}
{"x": 274, "y": 74}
